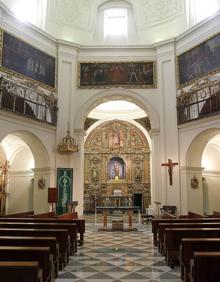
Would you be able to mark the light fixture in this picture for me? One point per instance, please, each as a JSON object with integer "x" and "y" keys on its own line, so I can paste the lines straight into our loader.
{"x": 67, "y": 144}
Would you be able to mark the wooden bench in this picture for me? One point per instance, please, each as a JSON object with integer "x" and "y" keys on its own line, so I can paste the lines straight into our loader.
{"x": 21, "y": 214}
{"x": 80, "y": 223}
{"x": 163, "y": 226}
{"x": 39, "y": 254}
{"x": 189, "y": 246}
{"x": 17, "y": 271}
{"x": 173, "y": 237}
{"x": 157, "y": 221}
{"x": 71, "y": 227}
{"x": 35, "y": 242}
{"x": 204, "y": 267}
{"x": 61, "y": 235}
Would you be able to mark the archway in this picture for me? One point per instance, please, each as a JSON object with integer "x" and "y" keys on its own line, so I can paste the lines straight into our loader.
{"x": 27, "y": 178}
{"x": 203, "y": 171}
{"x": 153, "y": 135}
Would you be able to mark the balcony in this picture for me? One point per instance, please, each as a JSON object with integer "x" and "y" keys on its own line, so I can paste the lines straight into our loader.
{"x": 27, "y": 102}
{"x": 202, "y": 100}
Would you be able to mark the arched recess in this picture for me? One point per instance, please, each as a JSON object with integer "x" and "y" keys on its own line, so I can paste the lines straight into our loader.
{"x": 196, "y": 148}
{"x": 113, "y": 95}
{"x": 117, "y": 158}
{"x": 28, "y": 164}
{"x": 196, "y": 201}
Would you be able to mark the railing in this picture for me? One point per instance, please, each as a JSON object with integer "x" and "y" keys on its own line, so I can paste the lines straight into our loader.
{"x": 202, "y": 100}
{"x": 28, "y": 102}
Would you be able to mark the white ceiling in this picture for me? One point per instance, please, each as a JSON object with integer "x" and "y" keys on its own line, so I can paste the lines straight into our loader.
{"x": 117, "y": 109}
{"x": 76, "y": 20}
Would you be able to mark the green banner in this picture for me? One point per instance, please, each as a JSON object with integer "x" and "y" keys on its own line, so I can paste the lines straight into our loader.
{"x": 64, "y": 184}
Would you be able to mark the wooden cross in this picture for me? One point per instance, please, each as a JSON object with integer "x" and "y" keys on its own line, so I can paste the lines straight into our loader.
{"x": 170, "y": 166}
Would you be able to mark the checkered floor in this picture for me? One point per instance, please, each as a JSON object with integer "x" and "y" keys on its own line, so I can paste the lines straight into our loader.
{"x": 118, "y": 256}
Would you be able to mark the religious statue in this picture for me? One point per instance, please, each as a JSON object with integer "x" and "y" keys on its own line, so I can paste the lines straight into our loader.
{"x": 116, "y": 171}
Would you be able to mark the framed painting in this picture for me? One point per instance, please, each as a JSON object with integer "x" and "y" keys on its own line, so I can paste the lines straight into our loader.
{"x": 25, "y": 60}
{"x": 64, "y": 184}
{"x": 117, "y": 74}
{"x": 200, "y": 61}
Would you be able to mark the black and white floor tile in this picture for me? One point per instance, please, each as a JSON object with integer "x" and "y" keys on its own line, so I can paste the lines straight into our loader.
{"x": 118, "y": 257}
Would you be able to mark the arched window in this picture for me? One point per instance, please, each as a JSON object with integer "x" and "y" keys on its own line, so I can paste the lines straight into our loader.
{"x": 115, "y": 23}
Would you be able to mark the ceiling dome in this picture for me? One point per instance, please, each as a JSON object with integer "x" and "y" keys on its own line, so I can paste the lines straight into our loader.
{"x": 148, "y": 21}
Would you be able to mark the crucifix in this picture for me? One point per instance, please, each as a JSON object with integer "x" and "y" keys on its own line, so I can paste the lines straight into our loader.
{"x": 170, "y": 166}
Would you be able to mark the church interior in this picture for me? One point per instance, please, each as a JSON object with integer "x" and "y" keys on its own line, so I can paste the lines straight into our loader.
{"x": 110, "y": 121}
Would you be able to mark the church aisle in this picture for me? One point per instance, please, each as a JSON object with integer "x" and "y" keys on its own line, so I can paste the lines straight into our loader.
{"x": 118, "y": 256}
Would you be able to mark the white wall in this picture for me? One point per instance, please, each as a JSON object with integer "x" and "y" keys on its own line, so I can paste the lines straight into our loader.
{"x": 210, "y": 162}
{"x": 168, "y": 141}
{"x": 20, "y": 185}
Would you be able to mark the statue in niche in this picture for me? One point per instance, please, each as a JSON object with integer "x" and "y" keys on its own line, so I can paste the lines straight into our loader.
{"x": 116, "y": 171}
{"x": 95, "y": 174}
{"x": 116, "y": 168}
{"x": 138, "y": 174}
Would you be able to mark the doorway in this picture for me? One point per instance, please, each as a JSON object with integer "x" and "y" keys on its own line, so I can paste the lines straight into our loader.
{"x": 138, "y": 201}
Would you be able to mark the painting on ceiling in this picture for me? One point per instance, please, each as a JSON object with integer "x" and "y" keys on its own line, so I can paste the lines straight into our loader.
{"x": 200, "y": 61}
{"x": 26, "y": 61}
{"x": 117, "y": 74}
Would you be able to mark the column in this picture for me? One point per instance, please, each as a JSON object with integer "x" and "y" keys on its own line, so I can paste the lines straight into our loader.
{"x": 77, "y": 162}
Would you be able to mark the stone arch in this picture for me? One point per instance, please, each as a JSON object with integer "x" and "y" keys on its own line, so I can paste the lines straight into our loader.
{"x": 197, "y": 146}
{"x": 36, "y": 146}
{"x": 111, "y": 95}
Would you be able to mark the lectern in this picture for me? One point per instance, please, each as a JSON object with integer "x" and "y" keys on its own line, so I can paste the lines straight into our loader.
{"x": 52, "y": 197}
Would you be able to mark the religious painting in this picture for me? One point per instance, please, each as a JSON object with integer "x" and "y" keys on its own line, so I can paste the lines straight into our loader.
{"x": 24, "y": 60}
{"x": 199, "y": 61}
{"x": 64, "y": 184}
{"x": 116, "y": 168}
{"x": 117, "y": 74}
{"x": 116, "y": 136}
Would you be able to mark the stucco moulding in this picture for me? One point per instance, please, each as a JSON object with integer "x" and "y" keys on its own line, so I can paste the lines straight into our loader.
{"x": 138, "y": 74}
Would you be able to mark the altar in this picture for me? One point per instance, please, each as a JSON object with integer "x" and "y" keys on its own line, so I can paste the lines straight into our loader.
{"x": 116, "y": 201}
{"x": 106, "y": 210}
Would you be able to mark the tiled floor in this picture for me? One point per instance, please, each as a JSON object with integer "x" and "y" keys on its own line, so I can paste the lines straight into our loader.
{"x": 118, "y": 256}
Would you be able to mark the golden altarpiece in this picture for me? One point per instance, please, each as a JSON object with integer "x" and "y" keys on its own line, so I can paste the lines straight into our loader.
{"x": 3, "y": 184}
{"x": 117, "y": 167}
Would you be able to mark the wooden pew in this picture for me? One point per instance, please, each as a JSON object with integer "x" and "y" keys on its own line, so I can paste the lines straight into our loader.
{"x": 39, "y": 254}
{"x": 20, "y": 214}
{"x": 189, "y": 246}
{"x": 216, "y": 214}
{"x": 173, "y": 237}
{"x": 43, "y": 215}
{"x": 80, "y": 223}
{"x": 35, "y": 242}
{"x": 163, "y": 226}
{"x": 204, "y": 267}
{"x": 71, "y": 227}
{"x": 157, "y": 221}
{"x": 61, "y": 235}
{"x": 17, "y": 271}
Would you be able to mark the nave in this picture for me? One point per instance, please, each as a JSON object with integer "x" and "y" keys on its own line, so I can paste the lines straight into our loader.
{"x": 118, "y": 256}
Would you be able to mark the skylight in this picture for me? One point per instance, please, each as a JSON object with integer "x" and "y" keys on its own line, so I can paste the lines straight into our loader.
{"x": 115, "y": 22}
{"x": 25, "y": 10}
{"x": 204, "y": 9}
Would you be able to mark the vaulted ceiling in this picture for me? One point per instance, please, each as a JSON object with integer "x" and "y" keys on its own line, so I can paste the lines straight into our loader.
{"x": 78, "y": 20}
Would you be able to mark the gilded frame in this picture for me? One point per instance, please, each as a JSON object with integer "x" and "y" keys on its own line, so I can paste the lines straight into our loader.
{"x": 123, "y": 74}
{"x": 39, "y": 67}
{"x": 200, "y": 61}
